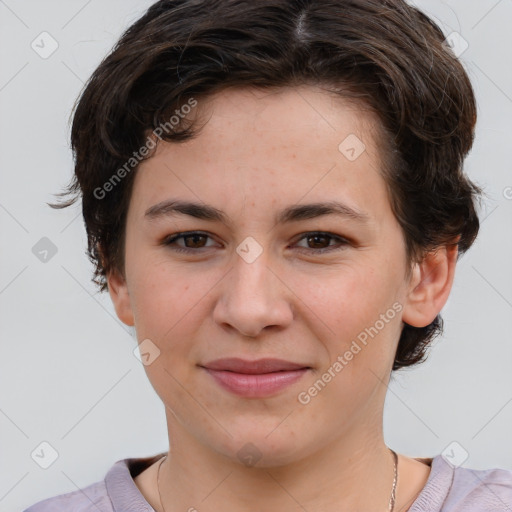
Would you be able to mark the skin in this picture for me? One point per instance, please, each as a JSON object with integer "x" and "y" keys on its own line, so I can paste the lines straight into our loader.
{"x": 257, "y": 153}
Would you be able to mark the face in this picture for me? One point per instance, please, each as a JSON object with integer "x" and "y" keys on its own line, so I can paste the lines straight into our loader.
{"x": 236, "y": 278}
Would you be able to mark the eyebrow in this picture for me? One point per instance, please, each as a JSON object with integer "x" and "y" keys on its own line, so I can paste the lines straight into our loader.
{"x": 294, "y": 213}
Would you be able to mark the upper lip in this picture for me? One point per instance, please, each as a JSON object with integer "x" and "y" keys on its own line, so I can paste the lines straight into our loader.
{"x": 267, "y": 365}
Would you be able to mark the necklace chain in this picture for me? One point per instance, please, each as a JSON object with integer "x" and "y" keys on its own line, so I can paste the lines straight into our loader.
{"x": 395, "y": 478}
{"x": 391, "y": 499}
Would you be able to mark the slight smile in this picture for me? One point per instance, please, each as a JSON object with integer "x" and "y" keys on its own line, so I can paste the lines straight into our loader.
{"x": 255, "y": 379}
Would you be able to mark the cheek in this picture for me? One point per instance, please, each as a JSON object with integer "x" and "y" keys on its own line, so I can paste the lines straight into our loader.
{"x": 160, "y": 295}
{"x": 348, "y": 298}
{"x": 354, "y": 314}
{"x": 171, "y": 303}
{"x": 168, "y": 311}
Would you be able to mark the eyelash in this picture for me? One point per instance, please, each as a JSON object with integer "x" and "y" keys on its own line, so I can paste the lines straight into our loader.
{"x": 172, "y": 238}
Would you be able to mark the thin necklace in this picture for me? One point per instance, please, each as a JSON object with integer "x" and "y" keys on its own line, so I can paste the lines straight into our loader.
{"x": 391, "y": 499}
{"x": 393, "y": 489}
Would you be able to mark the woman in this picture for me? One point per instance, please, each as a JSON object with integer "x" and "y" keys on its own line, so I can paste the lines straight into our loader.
{"x": 274, "y": 198}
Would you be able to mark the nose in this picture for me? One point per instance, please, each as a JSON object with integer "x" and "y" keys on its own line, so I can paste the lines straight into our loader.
{"x": 253, "y": 298}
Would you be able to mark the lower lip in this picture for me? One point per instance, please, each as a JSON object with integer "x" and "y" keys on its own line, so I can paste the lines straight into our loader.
{"x": 256, "y": 386}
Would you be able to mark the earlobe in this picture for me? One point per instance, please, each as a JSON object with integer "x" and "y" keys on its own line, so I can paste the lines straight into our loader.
{"x": 430, "y": 286}
{"x": 118, "y": 291}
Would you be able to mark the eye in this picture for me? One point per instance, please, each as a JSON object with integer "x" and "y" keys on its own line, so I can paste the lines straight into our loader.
{"x": 321, "y": 242}
{"x": 193, "y": 240}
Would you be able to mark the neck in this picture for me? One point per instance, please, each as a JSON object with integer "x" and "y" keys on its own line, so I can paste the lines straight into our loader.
{"x": 354, "y": 472}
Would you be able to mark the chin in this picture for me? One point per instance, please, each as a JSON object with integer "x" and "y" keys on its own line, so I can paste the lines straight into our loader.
{"x": 256, "y": 448}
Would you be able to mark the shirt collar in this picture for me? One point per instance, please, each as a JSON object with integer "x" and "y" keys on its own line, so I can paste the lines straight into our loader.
{"x": 124, "y": 494}
{"x": 126, "y": 497}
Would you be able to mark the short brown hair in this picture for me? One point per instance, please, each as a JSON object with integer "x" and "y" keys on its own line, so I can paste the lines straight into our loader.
{"x": 386, "y": 54}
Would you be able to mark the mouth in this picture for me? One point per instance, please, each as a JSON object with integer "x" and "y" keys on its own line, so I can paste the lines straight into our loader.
{"x": 255, "y": 379}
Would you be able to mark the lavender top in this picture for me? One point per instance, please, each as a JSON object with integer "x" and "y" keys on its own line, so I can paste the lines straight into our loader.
{"x": 448, "y": 489}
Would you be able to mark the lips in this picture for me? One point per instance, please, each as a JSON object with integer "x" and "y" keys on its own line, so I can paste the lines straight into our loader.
{"x": 259, "y": 366}
{"x": 255, "y": 379}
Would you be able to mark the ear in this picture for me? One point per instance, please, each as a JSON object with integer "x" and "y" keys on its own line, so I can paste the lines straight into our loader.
{"x": 430, "y": 286}
{"x": 118, "y": 291}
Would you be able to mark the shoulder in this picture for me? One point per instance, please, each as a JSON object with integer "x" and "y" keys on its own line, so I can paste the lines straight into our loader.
{"x": 116, "y": 492}
{"x": 94, "y": 497}
{"x": 458, "y": 489}
{"x": 490, "y": 490}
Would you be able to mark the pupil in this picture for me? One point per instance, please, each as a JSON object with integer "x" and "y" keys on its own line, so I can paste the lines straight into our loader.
{"x": 317, "y": 237}
{"x": 194, "y": 237}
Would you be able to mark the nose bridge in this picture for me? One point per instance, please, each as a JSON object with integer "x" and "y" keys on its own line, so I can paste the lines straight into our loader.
{"x": 251, "y": 279}
{"x": 252, "y": 296}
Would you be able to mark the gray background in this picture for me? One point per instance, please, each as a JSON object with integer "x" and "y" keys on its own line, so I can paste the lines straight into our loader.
{"x": 68, "y": 373}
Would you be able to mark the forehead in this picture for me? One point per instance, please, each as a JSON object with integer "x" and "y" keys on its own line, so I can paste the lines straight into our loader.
{"x": 305, "y": 112}
{"x": 270, "y": 147}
